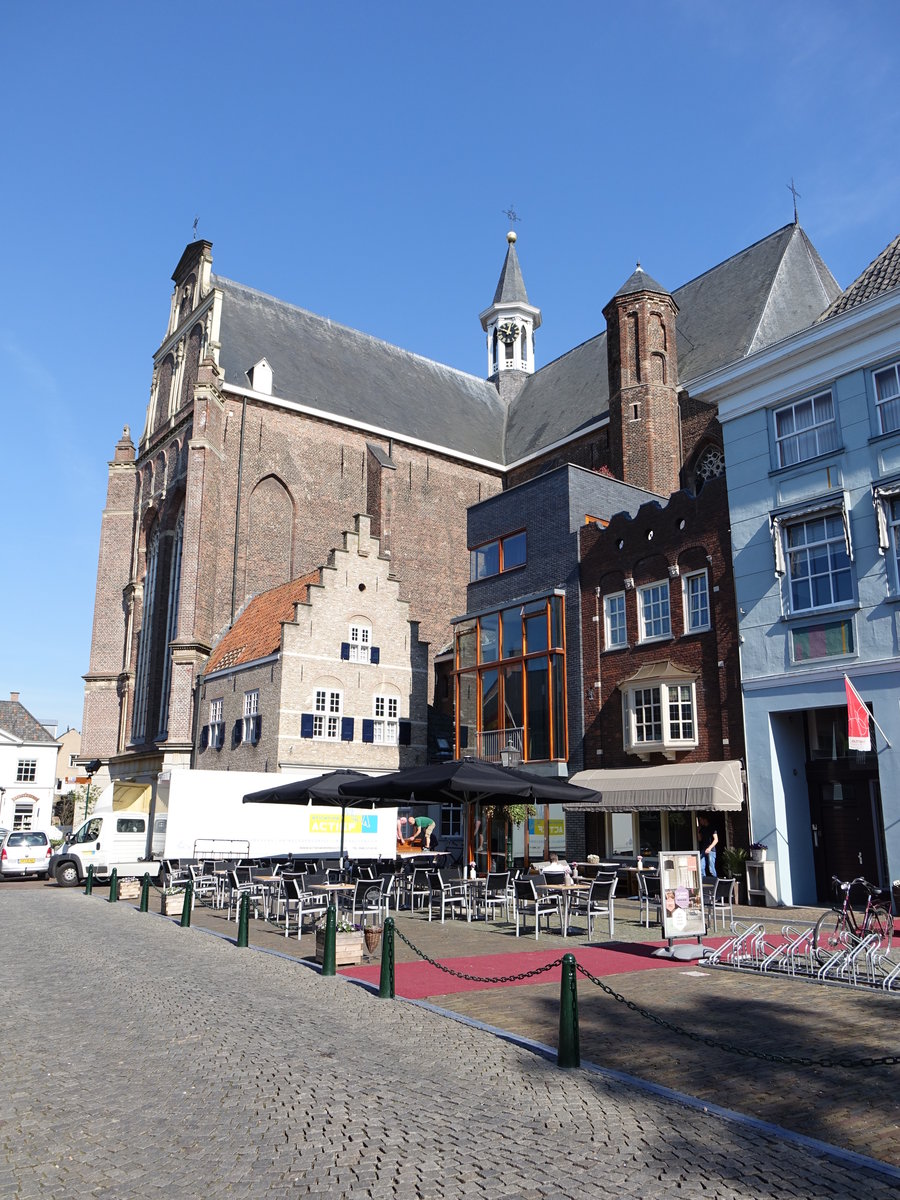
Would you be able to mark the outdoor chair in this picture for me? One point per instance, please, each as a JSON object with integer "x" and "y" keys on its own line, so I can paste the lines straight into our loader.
{"x": 496, "y": 893}
{"x": 419, "y": 887}
{"x": 649, "y": 896}
{"x": 451, "y": 895}
{"x": 366, "y": 900}
{"x": 302, "y": 904}
{"x": 240, "y": 884}
{"x": 601, "y": 902}
{"x": 721, "y": 903}
{"x": 541, "y": 905}
{"x": 204, "y": 885}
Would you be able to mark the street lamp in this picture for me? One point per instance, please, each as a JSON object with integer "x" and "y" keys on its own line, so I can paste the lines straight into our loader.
{"x": 92, "y": 768}
{"x": 510, "y": 755}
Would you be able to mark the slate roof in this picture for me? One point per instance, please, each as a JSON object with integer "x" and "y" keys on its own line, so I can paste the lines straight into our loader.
{"x": 511, "y": 285}
{"x": 17, "y": 720}
{"x": 775, "y": 287}
{"x": 881, "y": 275}
{"x": 768, "y": 291}
{"x": 257, "y": 631}
{"x": 640, "y": 281}
{"x": 345, "y": 373}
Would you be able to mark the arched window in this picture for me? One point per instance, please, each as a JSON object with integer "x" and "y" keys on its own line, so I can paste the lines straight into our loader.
{"x": 171, "y": 623}
{"x": 710, "y": 465}
{"x": 142, "y": 672}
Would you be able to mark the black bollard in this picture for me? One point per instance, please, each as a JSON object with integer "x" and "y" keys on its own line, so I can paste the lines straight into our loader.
{"x": 188, "y": 905}
{"x": 89, "y": 881}
{"x": 145, "y": 893}
{"x": 569, "y": 1052}
{"x": 328, "y": 954}
{"x": 114, "y": 886}
{"x": 386, "y": 986}
{"x": 243, "y": 937}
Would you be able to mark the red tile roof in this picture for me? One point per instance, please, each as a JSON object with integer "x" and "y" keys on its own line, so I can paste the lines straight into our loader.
{"x": 257, "y": 631}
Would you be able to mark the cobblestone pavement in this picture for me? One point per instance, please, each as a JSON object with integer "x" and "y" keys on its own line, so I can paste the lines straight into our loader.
{"x": 143, "y": 1059}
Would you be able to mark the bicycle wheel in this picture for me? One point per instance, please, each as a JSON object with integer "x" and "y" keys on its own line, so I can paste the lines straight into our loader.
{"x": 881, "y": 921}
{"x": 829, "y": 935}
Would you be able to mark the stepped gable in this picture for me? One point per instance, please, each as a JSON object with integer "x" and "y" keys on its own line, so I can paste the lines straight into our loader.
{"x": 257, "y": 631}
{"x": 881, "y": 275}
{"x": 773, "y": 288}
{"x": 345, "y": 374}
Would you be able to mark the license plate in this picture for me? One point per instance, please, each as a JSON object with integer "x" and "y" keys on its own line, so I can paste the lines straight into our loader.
{"x": 27, "y": 860}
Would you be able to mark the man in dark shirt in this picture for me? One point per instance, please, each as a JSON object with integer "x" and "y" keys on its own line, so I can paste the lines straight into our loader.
{"x": 707, "y": 840}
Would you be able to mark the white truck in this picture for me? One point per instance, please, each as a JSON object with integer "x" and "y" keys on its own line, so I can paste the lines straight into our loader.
{"x": 201, "y": 814}
{"x": 105, "y": 840}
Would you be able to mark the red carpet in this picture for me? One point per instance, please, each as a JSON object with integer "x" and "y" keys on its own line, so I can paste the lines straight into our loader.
{"x": 417, "y": 980}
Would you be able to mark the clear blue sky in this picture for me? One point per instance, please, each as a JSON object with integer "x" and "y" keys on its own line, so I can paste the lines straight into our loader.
{"x": 356, "y": 159}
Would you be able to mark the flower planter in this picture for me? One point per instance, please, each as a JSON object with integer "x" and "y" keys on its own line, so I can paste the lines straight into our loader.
{"x": 129, "y": 889}
{"x": 171, "y": 905}
{"x": 758, "y": 855}
{"x": 348, "y": 948}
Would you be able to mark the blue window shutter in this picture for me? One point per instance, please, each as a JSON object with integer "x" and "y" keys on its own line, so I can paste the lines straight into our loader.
{"x": 368, "y": 730}
{"x": 346, "y": 729}
{"x": 204, "y": 738}
{"x": 237, "y": 734}
{"x": 345, "y": 651}
{"x": 374, "y": 654}
{"x": 404, "y": 733}
{"x": 306, "y": 725}
{"x": 463, "y": 736}
{"x": 257, "y": 728}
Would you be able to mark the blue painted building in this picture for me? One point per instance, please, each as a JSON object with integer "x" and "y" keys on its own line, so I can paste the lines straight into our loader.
{"x": 811, "y": 429}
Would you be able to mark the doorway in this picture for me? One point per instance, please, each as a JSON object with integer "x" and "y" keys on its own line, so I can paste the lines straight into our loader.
{"x": 846, "y": 832}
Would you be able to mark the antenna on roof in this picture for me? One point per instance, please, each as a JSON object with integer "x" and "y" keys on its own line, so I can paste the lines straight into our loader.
{"x": 196, "y": 221}
{"x": 790, "y": 187}
{"x": 511, "y": 215}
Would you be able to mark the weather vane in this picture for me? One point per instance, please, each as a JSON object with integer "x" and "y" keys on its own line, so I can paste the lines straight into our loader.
{"x": 511, "y": 215}
{"x": 196, "y": 220}
{"x": 790, "y": 187}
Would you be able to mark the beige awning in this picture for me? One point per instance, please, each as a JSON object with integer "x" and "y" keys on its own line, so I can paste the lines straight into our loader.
{"x": 708, "y": 785}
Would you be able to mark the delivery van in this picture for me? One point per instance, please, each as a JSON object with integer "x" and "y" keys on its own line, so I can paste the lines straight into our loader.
{"x": 104, "y": 841}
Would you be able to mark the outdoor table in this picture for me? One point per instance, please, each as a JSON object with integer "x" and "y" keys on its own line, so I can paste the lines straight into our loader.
{"x": 567, "y": 891}
{"x": 269, "y": 888}
{"x": 339, "y": 890}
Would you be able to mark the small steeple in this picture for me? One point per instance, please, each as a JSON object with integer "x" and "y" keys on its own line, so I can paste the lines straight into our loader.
{"x": 509, "y": 323}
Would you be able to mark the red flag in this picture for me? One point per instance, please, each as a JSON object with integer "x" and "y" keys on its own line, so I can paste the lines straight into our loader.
{"x": 857, "y": 719}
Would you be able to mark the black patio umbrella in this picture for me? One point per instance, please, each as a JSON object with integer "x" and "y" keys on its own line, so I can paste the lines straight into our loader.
{"x": 325, "y": 790}
{"x": 466, "y": 779}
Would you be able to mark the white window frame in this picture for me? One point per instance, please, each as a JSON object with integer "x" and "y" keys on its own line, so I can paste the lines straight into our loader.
{"x": 26, "y": 770}
{"x": 216, "y": 723}
{"x": 251, "y": 712}
{"x": 663, "y": 698}
{"x": 804, "y": 442}
{"x": 893, "y": 523}
{"x": 360, "y": 642}
{"x": 451, "y": 819}
{"x": 664, "y": 604}
{"x": 690, "y": 624}
{"x": 328, "y": 709}
{"x": 615, "y": 631}
{"x": 811, "y": 552}
{"x": 890, "y": 403}
{"x": 23, "y": 816}
{"x": 386, "y": 720}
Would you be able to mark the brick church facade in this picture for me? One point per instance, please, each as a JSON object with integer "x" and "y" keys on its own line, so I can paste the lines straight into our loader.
{"x": 270, "y": 429}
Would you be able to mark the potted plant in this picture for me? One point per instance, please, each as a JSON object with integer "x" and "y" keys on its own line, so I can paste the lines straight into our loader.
{"x": 731, "y": 861}
{"x": 171, "y": 901}
{"x": 129, "y": 888}
{"x": 348, "y": 942}
{"x": 758, "y": 851}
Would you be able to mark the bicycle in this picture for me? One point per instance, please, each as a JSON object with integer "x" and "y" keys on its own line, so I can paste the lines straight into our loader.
{"x": 838, "y": 929}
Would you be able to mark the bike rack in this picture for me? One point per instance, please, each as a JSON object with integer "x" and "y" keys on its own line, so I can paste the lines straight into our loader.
{"x": 742, "y": 950}
{"x": 796, "y": 955}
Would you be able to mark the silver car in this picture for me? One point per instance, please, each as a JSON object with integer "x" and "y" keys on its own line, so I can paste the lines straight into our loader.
{"x": 25, "y": 852}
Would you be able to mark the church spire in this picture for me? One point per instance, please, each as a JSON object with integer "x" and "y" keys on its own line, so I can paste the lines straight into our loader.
{"x": 509, "y": 323}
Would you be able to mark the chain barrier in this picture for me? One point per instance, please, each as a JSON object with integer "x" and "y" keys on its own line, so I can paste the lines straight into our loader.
{"x": 477, "y": 978}
{"x": 786, "y": 1060}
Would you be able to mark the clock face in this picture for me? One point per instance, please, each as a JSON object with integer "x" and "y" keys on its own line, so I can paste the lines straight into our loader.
{"x": 508, "y": 331}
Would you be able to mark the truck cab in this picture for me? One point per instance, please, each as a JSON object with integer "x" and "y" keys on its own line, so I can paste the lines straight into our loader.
{"x": 104, "y": 841}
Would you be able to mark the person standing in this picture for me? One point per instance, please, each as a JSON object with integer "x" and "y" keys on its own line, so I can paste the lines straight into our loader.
{"x": 707, "y": 840}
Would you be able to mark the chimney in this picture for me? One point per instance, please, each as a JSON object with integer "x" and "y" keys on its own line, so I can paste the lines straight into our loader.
{"x": 14, "y": 697}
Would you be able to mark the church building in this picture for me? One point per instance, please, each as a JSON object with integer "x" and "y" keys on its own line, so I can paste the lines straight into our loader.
{"x": 269, "y": 429}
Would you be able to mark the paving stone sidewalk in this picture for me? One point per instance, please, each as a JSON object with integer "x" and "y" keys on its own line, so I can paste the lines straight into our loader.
{"x": 151, "y": 1060}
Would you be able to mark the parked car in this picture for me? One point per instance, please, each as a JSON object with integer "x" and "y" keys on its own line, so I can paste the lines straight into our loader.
{"x": 25, "y": 852}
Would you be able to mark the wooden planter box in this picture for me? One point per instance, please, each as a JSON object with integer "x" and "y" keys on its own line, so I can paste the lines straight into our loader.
{"x": 129, "y": 889}
{"x": 173, "y": 905}
{"x": 348, "y": 948}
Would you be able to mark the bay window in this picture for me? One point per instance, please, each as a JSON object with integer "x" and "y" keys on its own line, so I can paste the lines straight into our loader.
{"x": 659, "y": 710}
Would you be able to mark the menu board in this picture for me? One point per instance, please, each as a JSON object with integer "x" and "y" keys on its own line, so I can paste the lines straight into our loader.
{"x": 681, "y": 895}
